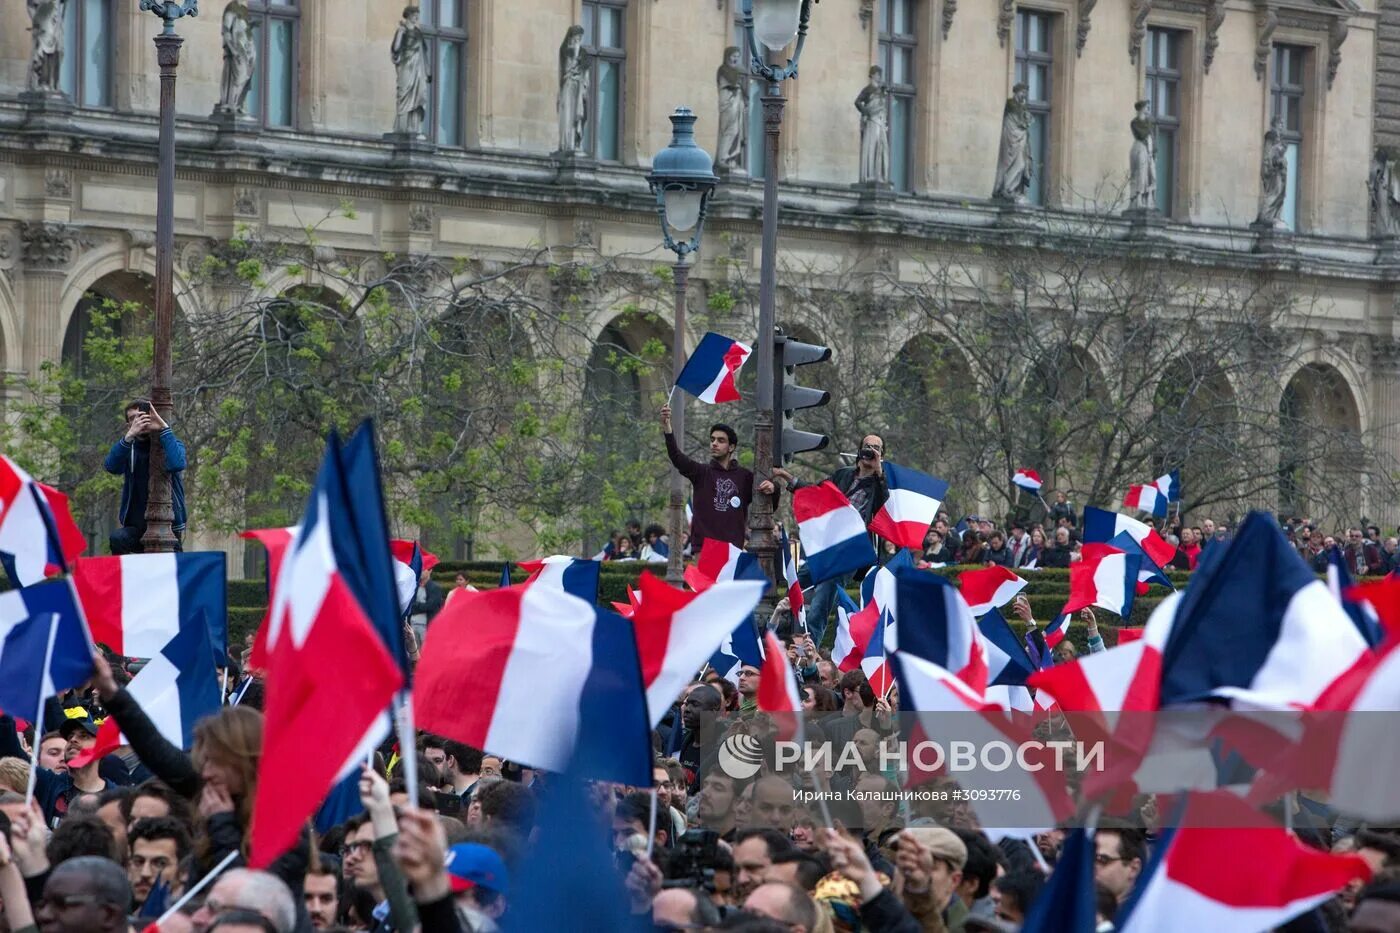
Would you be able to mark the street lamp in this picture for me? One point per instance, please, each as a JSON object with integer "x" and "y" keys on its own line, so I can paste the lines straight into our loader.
{"x": 769, "y": 25}
{"x": 682, "y": 178}
{"x": 160, "y": 513}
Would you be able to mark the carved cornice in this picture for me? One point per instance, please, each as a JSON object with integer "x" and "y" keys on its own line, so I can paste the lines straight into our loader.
{"x": 1330, "y": 16}
{"x": 1215, "y": 18}
{"x": 950, "y": 7}
{"x": 1086, "y": 7}
{"x": 1336, "y": 35}
{"x": 1005, "y": 15}
{"x": 867, "y": 13}
{"x": 1266, "y": 21}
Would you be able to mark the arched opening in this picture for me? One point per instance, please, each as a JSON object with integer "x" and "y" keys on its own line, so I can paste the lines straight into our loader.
{"x": 105, "y": 363}
{"x": 1065, "y": 406}
{"x": 1320, "y": 449}
{"x": 1198, "y": 430}
{"x": 928, "y": 388}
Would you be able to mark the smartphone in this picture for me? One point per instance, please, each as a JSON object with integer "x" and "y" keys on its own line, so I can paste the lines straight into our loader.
{"x": 801, "y": 650}
{"x": 144, "y": 406}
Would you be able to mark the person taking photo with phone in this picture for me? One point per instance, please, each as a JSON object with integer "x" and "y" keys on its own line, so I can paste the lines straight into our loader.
{"x": 130, "y": 458}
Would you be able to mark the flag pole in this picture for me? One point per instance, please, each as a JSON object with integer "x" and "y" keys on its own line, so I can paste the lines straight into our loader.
{"x": 203, "y": 883}
{"x": 651, "y": 824}
{"x": 671, "y": 396}
{"x": 39, "y": 710}
{"x": 408, "y": 746}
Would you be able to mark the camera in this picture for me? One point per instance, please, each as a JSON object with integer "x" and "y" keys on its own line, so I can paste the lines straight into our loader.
{"x": 693, "y": 861}
{"x": 867, "y": 453}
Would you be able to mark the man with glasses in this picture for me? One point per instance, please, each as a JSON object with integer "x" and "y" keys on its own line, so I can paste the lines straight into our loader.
{"x": 244, "y": 890}
{"x": 1118, "y": 858}
{"x": 88, "y": 894}
{"x": 864, "y": 485}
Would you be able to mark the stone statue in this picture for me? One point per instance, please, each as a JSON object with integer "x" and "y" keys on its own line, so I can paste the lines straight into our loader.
{"x": 873, "y": 103}
{"x": 1384, "y": 185}
{"x": 240, "y": 57}
{"x": 731, "y": 151}
{"x": 573, "y": 91}
{"x": 1273, "y": 178}
{"x": 46, "y": 59}
{"x": 410, "y": 57}
{"x": 1142, "y": 162}
{"x": 1015, "y": 163}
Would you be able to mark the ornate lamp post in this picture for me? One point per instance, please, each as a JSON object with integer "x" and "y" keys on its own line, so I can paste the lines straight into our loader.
{"x": 682, "y": 178}
{"x": 770, "y": 26}
{"x": 160, "y": 513}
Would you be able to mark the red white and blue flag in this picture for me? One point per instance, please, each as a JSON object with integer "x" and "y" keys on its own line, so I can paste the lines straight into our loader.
{"x": 834, "y": 536}
{"x": 27, "y": 616}
{"x": 1169, "y": 485}
{"x": 794, "y": 588}
{"x": 571, "y": 574}
{"x": 989, "y": 588}
{"x": 740, "y": 648}
{"x": 677, "y": 632}
{"x": 853, "y": 631}
{"x": 1227, "y": 868}
{"x": 1028, "y": 480}
{"x": 710, "y": 371}
{"x": 1106, "y": 577}
{"x": 138, "y": 603}
{"x": 1103, "y": 526}
{"x": 720, "y": 561}
{"x": 38, "y": 537}
{"x": 335, "y": 588}
{"x": 936, "y": 624}
{"x": 410, "y": 560}
{"x": 479, "y": 682}
{"x": 1146, "y": 498}
{"x": 778, "y": 695}
{"x": 913, "y": 504}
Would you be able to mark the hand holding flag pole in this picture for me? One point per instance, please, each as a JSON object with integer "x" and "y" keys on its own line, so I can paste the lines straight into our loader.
{"x": 39, "y": 709}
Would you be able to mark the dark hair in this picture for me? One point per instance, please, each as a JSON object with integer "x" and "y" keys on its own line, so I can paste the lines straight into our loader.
{"x": 427, "y": 741}
{"x": 468, "y": 759}
{"x": 634, "y": 808}
{"x": 810, "y": 868}
{"x": 512, "y": 806}
{"x": 123, "y": 796}
{"x": 653, "y": 529}
{"x": 179, "y": 806}
{"x": 855, "y": 680}
{"x": 825, "y": 700}
{"x": 1022, "y": 887}
{"x": 1381, "y": 889}
{"x": 106, "y": 879}
{"x": 728, "y": 432}
{"x": 77, "y": 836}
{"x": 161, "y": 827}
{"x": 775, "y": 841}
{"x": 981, "y": 864}
{"x": 1381, "y": 841}
{"x": 137, "y": 402}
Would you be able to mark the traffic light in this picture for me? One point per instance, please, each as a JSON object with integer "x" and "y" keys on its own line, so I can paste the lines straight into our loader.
{"x": 788, "y": 397}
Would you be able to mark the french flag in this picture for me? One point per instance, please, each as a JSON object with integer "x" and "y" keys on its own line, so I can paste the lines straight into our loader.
{"x": 1055, "y": 632}
{"x": 936, "y": 624}
{"x": 853, "y": 631}
{"x": 1028, "y": 480}
{"x": 1169, "y": 486}
{"x": 875, "y": 661}
{"x": 794, "y": 588}
{"x": 833, "y": 535}
{"x": 1067, "y": 902}
{"x": 677, "y": 631}
{"x": 479, "y": 682}
{"x": 740, "y": 648}
{"x": 913, "y": 504}
{"x": 137, "y": 604}
{"x": 1362, "y": 613}
{"x": 1008, "y": 664}
{"x": 410, "y": 560}
{"x": 276, "y": 542}
{"x": 1106, "y": 577}
{"x": 1195, "y": 880}
{"x": 1103, "y": 526}
{"x": 570, "y": 574}
{"x": 710, "y": 371}
{"x": 627, "y": 610}
{"x": 1146, "y": 498}
{"x": 178, "y": 686}
{"x": 989, "y": 588}
{"x": 720, "y": 561}
{"x": 29, "y": 617}
{"x": 321, "y": 624}
{"x": 38, "y": 536}
{"x": 1148, "y": 571}
{"x": 778, "y": 695}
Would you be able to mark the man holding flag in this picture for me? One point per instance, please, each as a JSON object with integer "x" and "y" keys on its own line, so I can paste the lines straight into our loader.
{"x": 723, "y": 489}
{"x": 864, "y": 485}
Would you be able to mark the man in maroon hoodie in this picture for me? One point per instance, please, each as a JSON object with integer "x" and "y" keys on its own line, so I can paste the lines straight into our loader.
{"x": 722, "y": 490}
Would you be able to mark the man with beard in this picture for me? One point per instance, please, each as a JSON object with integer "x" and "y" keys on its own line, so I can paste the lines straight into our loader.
{"x": 157, "y": 845}
{"x": 718, "y": 793}
{"x": 321, "y": 893}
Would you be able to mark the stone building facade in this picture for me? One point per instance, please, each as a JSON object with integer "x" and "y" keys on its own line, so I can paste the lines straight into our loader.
{"x": 77, "y": 186}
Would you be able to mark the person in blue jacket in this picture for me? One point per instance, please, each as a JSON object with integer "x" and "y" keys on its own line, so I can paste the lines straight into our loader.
{"x": 130, "y": 458}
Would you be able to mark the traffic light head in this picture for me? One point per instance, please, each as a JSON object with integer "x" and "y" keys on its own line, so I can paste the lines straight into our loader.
{"x": 790, "y": 397}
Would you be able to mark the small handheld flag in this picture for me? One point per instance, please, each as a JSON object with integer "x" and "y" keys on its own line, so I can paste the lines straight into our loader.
{"x": 914, "y": 501}
{"x": 710, "y": 372}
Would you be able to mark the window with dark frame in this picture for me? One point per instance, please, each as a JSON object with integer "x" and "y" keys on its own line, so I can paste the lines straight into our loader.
{"x": 898, "y": 45}
{"x": 1287, "y": 93}
{"x": 85, "y": 71}
{"x": 1164, "y": 104}
{"x": 1035, "y": 62}
{"x": 605, "y": 43}
{"x": 272, "y": 94}
{"x": 444, "y": 25}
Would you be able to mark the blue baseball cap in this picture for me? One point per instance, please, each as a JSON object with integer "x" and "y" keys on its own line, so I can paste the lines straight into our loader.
{"x": 472, "y": 865}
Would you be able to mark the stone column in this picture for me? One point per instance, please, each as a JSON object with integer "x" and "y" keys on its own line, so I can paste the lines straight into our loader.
{"x": 47, "y": 251}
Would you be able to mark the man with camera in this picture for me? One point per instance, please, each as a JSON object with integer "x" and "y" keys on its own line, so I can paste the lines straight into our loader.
{"x": 864, "y": 485}
{"x": 130, "y": 458}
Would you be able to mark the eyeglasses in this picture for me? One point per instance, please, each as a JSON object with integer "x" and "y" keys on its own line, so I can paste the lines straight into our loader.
{"x": 352, "y": 848}
{"x": 1102, "y": 859}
